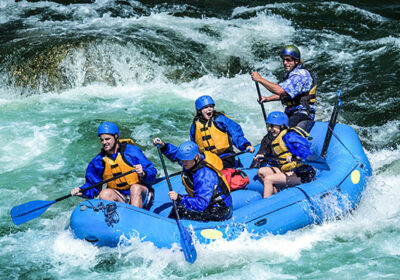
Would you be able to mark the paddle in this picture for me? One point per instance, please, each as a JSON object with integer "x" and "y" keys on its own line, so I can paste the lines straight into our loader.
{"x": 188, "y": 248}
{"x": 25, "y": 212}
{"x": 261, "y": 104}
{"x": 314, "y": 160}
{"x": 331, "y": 125}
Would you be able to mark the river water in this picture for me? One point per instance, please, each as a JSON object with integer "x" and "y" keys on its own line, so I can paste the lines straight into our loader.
{"x": 66, "y": 67}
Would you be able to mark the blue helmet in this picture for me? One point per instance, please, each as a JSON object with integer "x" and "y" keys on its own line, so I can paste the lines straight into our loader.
{"x": 277, "y": 118}
{"x": 292, "y": 51}
{"x": 188, "y": 150}
{"x": 108, "y": 128}
{"x": 203, "y": 101}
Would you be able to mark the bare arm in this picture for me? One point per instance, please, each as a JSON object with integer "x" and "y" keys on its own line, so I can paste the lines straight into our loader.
{"x": 276, "y": 89}
{"x": 270, "y": 98}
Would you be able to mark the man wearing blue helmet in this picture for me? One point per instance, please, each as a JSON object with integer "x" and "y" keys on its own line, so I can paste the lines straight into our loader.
{"x": 119, "y": 156}
{"x": 288, "y": 144}
{"x": 214, "y": 132}
{"x": 208, "y": 193}
{"x": 296, "y": 91}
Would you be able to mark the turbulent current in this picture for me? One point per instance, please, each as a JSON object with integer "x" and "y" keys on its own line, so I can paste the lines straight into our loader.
{"x": 66, "y": 66}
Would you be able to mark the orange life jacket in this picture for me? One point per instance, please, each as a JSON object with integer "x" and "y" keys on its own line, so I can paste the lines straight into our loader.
{"x": 118, "y": 166}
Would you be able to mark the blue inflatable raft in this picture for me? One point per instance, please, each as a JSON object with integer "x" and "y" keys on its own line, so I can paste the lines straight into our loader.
{"x": 332, "y": 194}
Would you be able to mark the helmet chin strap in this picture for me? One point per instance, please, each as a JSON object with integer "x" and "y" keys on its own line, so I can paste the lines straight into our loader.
{"x": 197, "y": 160}
{"x": 115, "y": 143}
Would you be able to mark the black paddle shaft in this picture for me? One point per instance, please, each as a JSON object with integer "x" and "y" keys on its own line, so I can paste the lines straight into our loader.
{"x": 186, "y": 240}
{"x": 313, "y": 160}
{"x": 30, "y": 210}
{"x": 261, "y": 103}
{"x": 97, "y": 185}
{"x": 168, "y": 181}
{"x": 164, "y": 167}
{"x": 179, "y": 172}
{"x": 331, "y": 126}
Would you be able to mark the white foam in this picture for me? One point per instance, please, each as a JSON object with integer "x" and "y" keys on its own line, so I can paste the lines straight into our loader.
{"x": 127, "y": 63}
{"x": 389, "y": 40}
{"x": 381, "y": 135}
{"x": 340, "y": 9}
{"x": 31, "y": 144}
{"x": 75, "y": 252}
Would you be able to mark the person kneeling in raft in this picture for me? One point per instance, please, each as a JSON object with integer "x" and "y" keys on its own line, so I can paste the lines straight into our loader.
{"x": 288, "y": 144}
{"x": 213, "y": 131}
{"x": 119, "y": 156}
{"x": 208, "y": 197}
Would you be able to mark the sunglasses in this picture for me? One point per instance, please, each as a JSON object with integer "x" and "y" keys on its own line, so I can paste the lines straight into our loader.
{"x": 270, "y": 126}
{"x": 288, "y": 59}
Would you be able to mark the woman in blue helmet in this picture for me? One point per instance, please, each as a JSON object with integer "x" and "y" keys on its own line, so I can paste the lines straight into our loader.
{"x": 296, "y": 91}
{"x": 208, "y": 194}
{"x": 288, "y": 145}
{"x": 119, "y": 156}
{"x": 213, "y": 131}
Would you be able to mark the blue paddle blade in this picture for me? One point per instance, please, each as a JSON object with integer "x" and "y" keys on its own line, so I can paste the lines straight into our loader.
{"x": 25, "y": 212}
{"x": 317, "y": 161}
{"x": 189, "y": 251}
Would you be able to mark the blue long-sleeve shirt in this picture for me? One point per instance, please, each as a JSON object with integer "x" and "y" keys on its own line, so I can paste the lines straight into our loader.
{"x": 132, "y": 154}
{"x": 231, "y": 127}
{"x": 204, "y": 181}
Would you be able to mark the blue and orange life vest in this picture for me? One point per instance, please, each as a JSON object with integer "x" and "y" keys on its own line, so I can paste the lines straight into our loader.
{"x": 210, "y": 138}
{"x": 213, "y": 162}
{"x": 118, "y": 166}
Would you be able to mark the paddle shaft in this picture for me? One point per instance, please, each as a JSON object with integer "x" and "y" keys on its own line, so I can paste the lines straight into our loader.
{"x": 187, "y": 244}
{"x": 96, "y": 185}
{"x": 319, "y": 164}
{"x": 32, "y": 209}
{"x": 279, "y": 159}
{"x": 167, "y": 178}
{"x": 225, "y": 157}
{"x": 331, "y": 125}
{"x": 261, "y": 104}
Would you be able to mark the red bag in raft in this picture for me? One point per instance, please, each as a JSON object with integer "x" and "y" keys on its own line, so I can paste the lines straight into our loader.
{"x": 236, "y": 178}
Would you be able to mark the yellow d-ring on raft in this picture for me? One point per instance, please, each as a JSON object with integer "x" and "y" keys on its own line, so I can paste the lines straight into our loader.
{"x": 355, "y": 177}
{"x": 211, "y": 233}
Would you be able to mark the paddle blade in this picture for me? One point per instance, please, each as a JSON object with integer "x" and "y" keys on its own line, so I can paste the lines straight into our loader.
{"x": 187, "y": 244}
{"x": 25, "y": 212}
{"x": 317, "y": 161}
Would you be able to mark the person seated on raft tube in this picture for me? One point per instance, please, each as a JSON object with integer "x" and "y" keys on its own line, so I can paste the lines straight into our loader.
{"x": 213, "y": 131}
{"x": 119, "y": 156}
{"x": 289, "y": 144}
{"x": 297, "y": 91}
{"x": 208, "y": 197}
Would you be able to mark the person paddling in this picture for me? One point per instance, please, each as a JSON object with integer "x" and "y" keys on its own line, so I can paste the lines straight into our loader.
{"x": 208, "y": 194}
{"x": 215, "y": 132}
{"x": 288, "y": 145}
{"x": 297, "y": 91}
{"x": 119, "y": 156}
